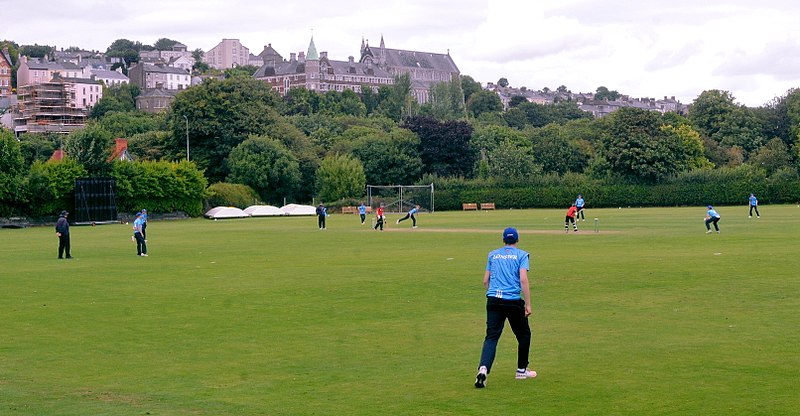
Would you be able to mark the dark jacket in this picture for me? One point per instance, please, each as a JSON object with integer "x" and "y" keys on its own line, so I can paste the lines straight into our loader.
{"x": 62, "y": 225}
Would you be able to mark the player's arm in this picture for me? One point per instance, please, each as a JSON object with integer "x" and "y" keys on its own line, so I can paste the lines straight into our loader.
{"x": 486, "y": 276}
{"x": 526, "y": 290}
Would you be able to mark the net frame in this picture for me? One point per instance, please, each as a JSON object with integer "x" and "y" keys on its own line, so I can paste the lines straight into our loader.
{"x": 401, "y": 201}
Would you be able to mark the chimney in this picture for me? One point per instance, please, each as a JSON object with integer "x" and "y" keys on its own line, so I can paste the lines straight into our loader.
{"x": 351, "y": 60}
{"x": 301, "y": 57}
{"x": 159, "y": 85}
{"x": 323, "y": 55}
{"x": 292, "y": 57}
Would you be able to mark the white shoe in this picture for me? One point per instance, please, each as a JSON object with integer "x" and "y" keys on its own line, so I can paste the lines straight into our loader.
{"x": 143, "y": 255}
{"x": 414, "y": 226}
{"x": 708, "y": 232}
{"x": 397, "y": 222}
{"x": 522, "y": 375}
{"x": 480, "y": 379}
{"x": 749, "y": 216}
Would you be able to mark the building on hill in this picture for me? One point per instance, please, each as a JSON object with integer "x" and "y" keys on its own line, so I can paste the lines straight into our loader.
{"x": 109, "y": 78}
{"x": 227, "y": 54}
{"x": 155, "y": 100}
{"x": 424, "y": 68}
{"x": 5, "y": 73}
{"x": 316, "y": 72}
{"x": 148, "y": 76}
{"x": 270, "y": 54}
{"x": 49, "y": 107}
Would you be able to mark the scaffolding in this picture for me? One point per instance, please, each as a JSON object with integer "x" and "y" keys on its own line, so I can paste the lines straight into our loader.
{"x": 48, "y": 107}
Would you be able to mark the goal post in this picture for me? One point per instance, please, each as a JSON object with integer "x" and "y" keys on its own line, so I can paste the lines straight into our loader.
{"x": 401, "y": 198}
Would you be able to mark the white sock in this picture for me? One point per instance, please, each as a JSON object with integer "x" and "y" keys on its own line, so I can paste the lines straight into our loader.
{"x": 483, "y": 369}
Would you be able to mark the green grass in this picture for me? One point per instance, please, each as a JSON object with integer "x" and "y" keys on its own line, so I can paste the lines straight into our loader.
{"x": 270, "y": 316}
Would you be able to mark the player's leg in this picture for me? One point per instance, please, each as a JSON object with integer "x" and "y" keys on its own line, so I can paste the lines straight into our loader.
{"x": 519, "y": 325}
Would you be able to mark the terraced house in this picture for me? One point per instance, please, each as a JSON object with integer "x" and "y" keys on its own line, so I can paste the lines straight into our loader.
{"x": 5, "y": 73}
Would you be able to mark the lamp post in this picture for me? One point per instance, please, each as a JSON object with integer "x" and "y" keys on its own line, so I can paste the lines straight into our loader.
{"x": 187, "y": 137}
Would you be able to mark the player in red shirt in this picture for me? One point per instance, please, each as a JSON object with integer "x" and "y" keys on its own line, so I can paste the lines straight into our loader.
{"x": 571, "y": 219}
{"x": 379, "y": 218}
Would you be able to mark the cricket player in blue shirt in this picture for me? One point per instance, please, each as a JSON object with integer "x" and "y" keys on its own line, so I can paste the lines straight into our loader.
{"x": 712, "y": 217}
{"x": 508, "y": 296}
{"x": 579, "y": 203}
{"x": 753, "y": 206}
{"x": 362, "y": 211}
{"x": 411, "y": 214}
{"x": 141, "y": 244}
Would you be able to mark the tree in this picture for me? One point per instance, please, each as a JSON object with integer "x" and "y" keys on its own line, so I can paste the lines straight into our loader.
{"x": 121, "y": 97}
{"x": 512, "y": 161}
{"x": 165, "y": 44}
{"x": 502, "y": 82}
{"x": 469, "y": 86}
{"x": 446, "y": 101}
{"x": 36, "y": 51}
{"x": 339, "y": 177}
{"x": 484, "y": 102}
{"x": 125, "y": 49}
{"x": 240, "y": 71}
{"x": 221, "y": 114}
{"x": 50, "y": 186}
{"x": 558, "y": 150}
{"x": 693, "y": 148}
{"x": 637, "y": 148}
{"x": 604, "y": 94}
{"x": 388, "y": 158}
{"x": 127, "y": 124}
{"x": 709, "y": 110}
{"x": 267, "y": 166}
{"x": 773, "y": 157}
{"x": 91, "y": 148}
{"x": 516, "y": 100}
{"x": 39, "y": 146}
{"x": 11, "y": 171}
{"x": 445, "y": 146}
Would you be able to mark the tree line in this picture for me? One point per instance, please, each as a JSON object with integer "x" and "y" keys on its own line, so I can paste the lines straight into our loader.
{"x": 329, "y": 145}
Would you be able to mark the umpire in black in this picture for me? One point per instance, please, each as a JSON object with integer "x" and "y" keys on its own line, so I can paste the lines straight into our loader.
{"x": 62, "y": 231}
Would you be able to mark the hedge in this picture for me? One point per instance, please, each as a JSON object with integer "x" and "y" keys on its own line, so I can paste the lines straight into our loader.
{"x": 159, "y": 186}
{"x": 717, "y": 187}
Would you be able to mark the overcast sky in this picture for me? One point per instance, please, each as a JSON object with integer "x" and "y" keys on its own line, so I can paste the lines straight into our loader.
{"x": 644, "y": 48}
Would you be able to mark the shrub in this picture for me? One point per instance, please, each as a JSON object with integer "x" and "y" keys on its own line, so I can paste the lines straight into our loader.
{"x": 230, "y": 195}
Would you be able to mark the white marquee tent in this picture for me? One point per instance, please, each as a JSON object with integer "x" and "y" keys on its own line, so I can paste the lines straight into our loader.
{"x": 225, "y": 212}
{"x": 295, "y": 209}
{"x": 263, "y": 211}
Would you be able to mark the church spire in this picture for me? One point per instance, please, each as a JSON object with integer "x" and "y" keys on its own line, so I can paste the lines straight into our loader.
{"x": 312, "y": 54}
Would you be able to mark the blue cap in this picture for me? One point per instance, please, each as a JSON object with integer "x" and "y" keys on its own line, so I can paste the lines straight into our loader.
{"x": 510, "y": 235}
{"x": 710, "y": 207}
{"x": 138, "y": 214}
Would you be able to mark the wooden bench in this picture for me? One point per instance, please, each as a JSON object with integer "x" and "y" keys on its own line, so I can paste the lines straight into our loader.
{"x": 487, "y": 205}
{"x": 469, "y": 207}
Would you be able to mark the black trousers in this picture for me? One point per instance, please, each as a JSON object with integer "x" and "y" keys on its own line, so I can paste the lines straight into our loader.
{"x": 321, "y": 221}
{"x": 413, "y": 219}
{"x": 580, "y": 214}
{"x": 363, "y": 217}
{"x": 497, "y": 312}
{"x": 141, "y": 245}
{"x": 713, "y": 220}
{"x": 754, "y": 207}
{"x": 63, "y": 246}
{"x": 378, "y": 223}
{"x": 144, "y": 230}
